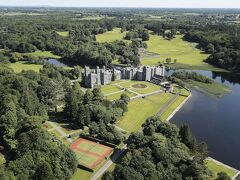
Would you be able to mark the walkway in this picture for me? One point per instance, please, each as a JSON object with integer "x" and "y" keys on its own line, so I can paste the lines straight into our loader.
{"x": 168, "y": 103}
{"x": 57, "y": 128}
{"x": 113, "y": 159}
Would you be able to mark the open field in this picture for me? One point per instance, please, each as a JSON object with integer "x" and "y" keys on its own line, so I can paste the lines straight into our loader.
{"x": 82, "y": 174}
{"x": 110, "y": 88}
{"x": 215, "y": 89}
{"x": 118, "y": 95}
{"x": 216, "y": 168}
{"x": 21, "y": 65}
{"x": 20, "y": 14}
{"x": 110, "y": 36}
{"x": 63, "y": 33}
{"x": 148, "y": 89}
{"x": 42, "y": 54}
{"x": 140, "y": 109}
{"x": 89, "y": 153}
{"x": 183, "y": 51}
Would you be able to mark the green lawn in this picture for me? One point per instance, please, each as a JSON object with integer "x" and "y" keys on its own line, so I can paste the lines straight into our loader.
{"x": 171, "y": 108}
{"x": 184, "y": 52}
{"x": 118, "y": 95}
{"x": 150, "y": 87}
{"x": 110, "y": 36}
{"x": 19, "y": 66}
{"x": 81, "y": 174}
{"x": 44, "y": 54}
{"x": 140, "y": 109}
{"x": 63, "y": 33}
{"x": 215, "y": 89}
{"x": 216, "y": 168}
{"x": 109, "y": 89}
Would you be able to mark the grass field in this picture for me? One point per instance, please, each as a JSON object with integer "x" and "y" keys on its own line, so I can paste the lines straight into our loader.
{"x": 215, "y": 89}
{"x": 90, "y": 154}
{"x": 63, "y": 33}
{"x": 184, "y": 52}
{"x": 110, "y": 36}
{"x": 140, "y": 109}
{"x": 216, "y": 168}
{"x": 44, "y": 54}
{"x": 118, "y": 95}
{"x": 171, "y": 108}
{"x": 110, "y": 88}
{"x": 150, "y": 87}
{"x": 19, "y": 66}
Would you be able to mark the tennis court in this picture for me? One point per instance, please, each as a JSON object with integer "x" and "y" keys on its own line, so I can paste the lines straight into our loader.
{"x": 90, "y": 153}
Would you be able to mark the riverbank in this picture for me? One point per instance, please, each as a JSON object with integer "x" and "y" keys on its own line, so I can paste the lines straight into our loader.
{"x": 216, "y": 166}
{"x": 179, "y": 107}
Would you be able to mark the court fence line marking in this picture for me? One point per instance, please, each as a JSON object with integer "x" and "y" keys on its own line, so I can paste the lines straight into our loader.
{"x": 87, "y": 152}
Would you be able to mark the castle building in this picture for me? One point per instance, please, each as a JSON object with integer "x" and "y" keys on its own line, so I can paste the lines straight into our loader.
{"x": 104, "y": 76}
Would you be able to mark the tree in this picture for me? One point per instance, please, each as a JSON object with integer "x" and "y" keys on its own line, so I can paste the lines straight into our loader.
{"x": 168, "y": 60}
{"x": 222, "y": 176}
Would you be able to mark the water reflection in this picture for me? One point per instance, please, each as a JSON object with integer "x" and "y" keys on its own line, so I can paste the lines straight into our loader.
{"x": 215, "y": 121}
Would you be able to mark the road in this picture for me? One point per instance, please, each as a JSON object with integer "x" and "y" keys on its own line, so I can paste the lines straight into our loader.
{"x": 113, "y": 159}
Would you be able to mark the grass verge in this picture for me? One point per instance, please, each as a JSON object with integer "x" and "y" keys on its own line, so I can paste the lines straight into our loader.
{"x": 216, "y": 168}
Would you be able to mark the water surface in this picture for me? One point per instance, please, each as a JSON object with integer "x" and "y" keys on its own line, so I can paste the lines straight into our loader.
{"x": 215, "y": 121}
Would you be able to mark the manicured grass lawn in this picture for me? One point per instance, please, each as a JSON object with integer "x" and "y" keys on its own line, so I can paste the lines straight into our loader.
{"x": 140, "y": 109}
{"x": 171, "y": 108}
{"x": 118, "y": 95}
{"x": 63, "y": 33}
{"x": 150, "y": 87}
{"x": 216, "y": 168}
{"x": 110, "y": 36}
{"x": 81, "y": 174}
{"x": 19, "y": 66}
{"x": 45, "y": 54}
{"x": 109, "y": 89}
{"x": 215, "y": 89}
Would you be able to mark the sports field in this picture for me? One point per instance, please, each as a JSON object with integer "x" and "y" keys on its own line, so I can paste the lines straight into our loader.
{"x": 140, "y": 109}
{"x": 89, "y": 153}
{"x": 111, "y": 36}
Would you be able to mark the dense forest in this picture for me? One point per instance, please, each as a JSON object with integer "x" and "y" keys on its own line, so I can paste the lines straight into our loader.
{"x": 161, "y": 151}
{"x": 31, "y": 152}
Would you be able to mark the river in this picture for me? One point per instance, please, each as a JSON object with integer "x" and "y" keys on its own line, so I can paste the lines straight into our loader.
{"x": 215, "y": 121}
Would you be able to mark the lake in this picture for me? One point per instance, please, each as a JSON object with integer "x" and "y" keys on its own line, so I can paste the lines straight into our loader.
{"x": 54, "y": 62}
{"x": 215, "y": 121}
